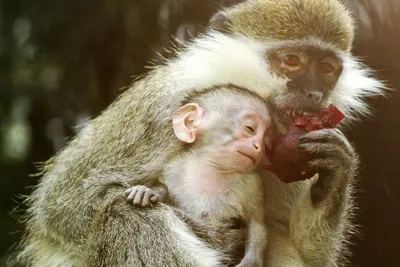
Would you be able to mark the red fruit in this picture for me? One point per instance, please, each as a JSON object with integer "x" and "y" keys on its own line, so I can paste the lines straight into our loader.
{"x": 289, "y": 163}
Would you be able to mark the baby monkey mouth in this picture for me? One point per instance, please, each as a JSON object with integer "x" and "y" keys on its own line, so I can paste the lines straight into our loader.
{"x": 252, "y": 159}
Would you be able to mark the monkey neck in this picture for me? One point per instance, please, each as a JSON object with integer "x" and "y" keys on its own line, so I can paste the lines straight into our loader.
{"x": 204, "y": 179}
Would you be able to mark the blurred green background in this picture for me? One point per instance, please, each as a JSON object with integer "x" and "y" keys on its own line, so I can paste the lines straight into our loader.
{"x": 63, "y": 61}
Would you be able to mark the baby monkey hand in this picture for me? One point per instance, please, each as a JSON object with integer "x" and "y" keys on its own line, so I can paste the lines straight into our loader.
{"x": 143, "y": 196}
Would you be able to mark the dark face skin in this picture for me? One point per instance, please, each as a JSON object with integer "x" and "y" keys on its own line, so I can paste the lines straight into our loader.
{"x": 312, "y": 75}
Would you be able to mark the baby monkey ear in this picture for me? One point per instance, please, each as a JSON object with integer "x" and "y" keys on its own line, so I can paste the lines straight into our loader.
{"x": 184, "y": 122}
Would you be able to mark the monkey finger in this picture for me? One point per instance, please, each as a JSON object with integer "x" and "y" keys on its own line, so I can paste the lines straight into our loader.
{"x": 132, "y": 194}
{"x": 323, "y": 135}
{"x": 328, "y": 136}
{"x": 146, "y": 198}
{"x": 323, "y": 150}
{"x": 139, "y": 197}
{"x": 155, "y": 198}
{"x": 128, "y": 191}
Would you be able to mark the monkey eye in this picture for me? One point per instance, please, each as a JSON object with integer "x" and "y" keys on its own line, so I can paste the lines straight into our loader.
{"x": 292, "y": 60}
{"x": 250, "y": 129}
{"x": 326, "y": 67}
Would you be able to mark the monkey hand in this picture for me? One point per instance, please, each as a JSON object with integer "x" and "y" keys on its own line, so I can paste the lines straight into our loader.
{"x": 141, "y": 195}
{"x": 287, "y": 161}
{"x": 332, "y": 157}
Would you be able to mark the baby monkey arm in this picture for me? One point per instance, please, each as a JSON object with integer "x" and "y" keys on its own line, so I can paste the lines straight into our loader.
{"x": 256, "y": 240}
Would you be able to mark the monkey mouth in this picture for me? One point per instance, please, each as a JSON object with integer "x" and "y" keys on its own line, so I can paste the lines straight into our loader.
{"x": 247, "y": 156}
{"x": 296, "y": 113}
{"x": 285, "y": 117}
{"x": 288, "y": 116}
{"x": 285, "y": 111}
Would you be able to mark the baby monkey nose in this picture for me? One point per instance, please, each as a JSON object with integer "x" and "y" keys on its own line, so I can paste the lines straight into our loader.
{"x": 257, "y": 146}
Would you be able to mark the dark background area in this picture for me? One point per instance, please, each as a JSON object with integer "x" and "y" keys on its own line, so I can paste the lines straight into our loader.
{"x": 62, "y": 62}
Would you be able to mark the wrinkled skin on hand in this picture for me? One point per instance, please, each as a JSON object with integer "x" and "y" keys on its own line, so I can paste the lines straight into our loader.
{"x": 288, "y": 158}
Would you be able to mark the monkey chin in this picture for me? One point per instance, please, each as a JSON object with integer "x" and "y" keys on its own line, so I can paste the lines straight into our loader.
{"x": 249, "y": 158}
{"x": 245, "y": 165}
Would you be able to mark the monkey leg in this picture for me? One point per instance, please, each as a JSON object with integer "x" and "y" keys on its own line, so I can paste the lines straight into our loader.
{"x": 123, "y": 235}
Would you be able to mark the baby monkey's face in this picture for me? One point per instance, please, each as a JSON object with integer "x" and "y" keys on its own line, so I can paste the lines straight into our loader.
{"x": 239, "y": 143}
{"x": 228, "y": 137}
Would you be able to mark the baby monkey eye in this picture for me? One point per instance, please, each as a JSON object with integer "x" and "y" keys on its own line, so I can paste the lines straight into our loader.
{"x": 292, "y": 60}
{"x": 250, "y": 129}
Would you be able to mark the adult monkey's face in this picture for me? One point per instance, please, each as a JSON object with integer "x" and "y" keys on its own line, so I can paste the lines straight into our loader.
{"x": 311, "y": 74}
{"x": 304, "y": 49}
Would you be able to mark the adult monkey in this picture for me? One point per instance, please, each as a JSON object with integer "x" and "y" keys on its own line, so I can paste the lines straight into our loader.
{"x": 293, "y": 52}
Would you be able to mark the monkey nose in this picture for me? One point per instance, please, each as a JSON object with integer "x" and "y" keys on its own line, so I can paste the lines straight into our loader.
{"x": 315, "y": 96}
{"x": 257, "y": 146}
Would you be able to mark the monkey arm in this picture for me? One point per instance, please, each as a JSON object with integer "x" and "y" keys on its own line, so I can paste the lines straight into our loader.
{"x": 158, "y": 236}
{"x": 64, "y": 207}
{"x": 97, "y": 218}
{"x": 256, "y": 242}
{"x": 325, "y": 211}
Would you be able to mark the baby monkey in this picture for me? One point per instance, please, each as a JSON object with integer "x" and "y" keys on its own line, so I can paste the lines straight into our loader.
{"x": 213, "y": 179}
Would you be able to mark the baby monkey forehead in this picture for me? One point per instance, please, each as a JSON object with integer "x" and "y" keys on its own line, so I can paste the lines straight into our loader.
{"x": 252, "y": 109}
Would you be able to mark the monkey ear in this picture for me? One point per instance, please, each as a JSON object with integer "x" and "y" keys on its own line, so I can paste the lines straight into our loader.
{"x": 219, "y": 22}
{"x": 184, "y": 122}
